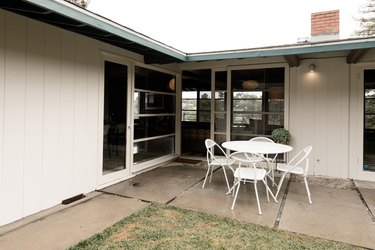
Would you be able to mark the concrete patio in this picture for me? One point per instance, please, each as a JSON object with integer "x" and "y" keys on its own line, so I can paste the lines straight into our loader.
{"x": 342, "y": 210}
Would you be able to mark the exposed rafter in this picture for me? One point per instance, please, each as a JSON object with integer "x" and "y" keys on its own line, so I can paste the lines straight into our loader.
{"x": 355, "y": 55}
{"x": 292, "y": 60}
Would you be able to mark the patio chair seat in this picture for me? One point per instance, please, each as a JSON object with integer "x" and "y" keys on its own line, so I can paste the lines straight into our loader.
{"x": 250, "y": 173}
{"x": 288, "y": 168}
{"x": 253, "y": 173}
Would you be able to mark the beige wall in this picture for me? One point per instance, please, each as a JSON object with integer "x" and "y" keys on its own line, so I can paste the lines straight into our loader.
{"x": 319, "y": 114}
{"x": 50, "y": 82}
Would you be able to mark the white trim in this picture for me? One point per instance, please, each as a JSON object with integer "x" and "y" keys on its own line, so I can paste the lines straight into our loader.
{"x": 356, "y": 123}
{"x": 125, "y": 173}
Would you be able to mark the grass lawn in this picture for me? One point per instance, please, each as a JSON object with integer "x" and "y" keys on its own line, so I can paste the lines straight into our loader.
{"x": 168, "y": 227}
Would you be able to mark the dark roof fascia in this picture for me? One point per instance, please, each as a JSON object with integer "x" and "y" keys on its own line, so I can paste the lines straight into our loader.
{"x": 74, "y": 12}
{"x": 293, "y": 49}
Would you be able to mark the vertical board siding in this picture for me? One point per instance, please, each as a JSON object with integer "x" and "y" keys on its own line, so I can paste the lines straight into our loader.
{"x": 33, "y": 167}
{"x": 14, "y": 118}
{"x": 2, "y": 96}
{"x": 67, "y": 104}
{"x": 80, "y": 115}
{"x": 94, "y": 64}
{"x": 49, "y": 115}
{"x": 51, "y": 121}
{"x": 319, "y": 104}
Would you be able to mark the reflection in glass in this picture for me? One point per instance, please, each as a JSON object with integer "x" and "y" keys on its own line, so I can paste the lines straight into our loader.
{"x": 115, "y": 101}
{"x": 154, "y": 114}
{"x": 152, "y": 149}
{"x": 257, "y": 102}
{"x": 151, "y": 126}
{"x": 220, "y": 122}
{"x": 369, "y": 121}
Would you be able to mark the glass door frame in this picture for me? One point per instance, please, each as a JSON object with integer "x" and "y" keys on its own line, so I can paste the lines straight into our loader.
{"x": 111, "y": 178}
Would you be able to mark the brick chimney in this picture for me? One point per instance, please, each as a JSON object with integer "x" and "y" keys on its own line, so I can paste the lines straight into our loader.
{"x": 325, "y": 26}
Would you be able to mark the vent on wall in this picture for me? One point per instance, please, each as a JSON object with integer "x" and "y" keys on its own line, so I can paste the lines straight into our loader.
{"x": 72, "y": 199}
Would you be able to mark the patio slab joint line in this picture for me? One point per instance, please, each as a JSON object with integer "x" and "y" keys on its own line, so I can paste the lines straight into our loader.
{"x": 124, "y": 196}
{"x": 364, "y": 203}
{"x": 171, "y": 200}
{"x": 282, "y": 204}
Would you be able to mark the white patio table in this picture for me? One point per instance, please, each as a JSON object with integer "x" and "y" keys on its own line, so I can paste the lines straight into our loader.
{"x": 257, "y": 147}
{"x": 265, "y": 148}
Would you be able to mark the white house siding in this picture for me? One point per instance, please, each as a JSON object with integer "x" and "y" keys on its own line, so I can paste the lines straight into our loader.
{"x": 49, "y": 101}
{"x": 319, "y": 114}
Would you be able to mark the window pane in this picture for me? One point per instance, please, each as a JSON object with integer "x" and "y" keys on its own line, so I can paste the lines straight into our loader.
{"x": 204, "y": 116}
{"x": 247, "y": 105}
{"x": 205, "y": 104}
{"x": 257, "y": 101}
{"x": 189, "y": 104}
{"x": 152, "y": 149}
{"x": 370, "y": 93}
{"x": 189, "y": 94}
{"x": 369, "y": 121}
{"x": 276, "y": 105}
{"x": 220, "y": 102}
{"x": 154, "y": 103}
{"x": 370, "y": 105}
{"x": 189, "y": 116}
{"x": 154, "y": 80}
{"x": 220, "y": 123}
{"x": 153, "y": 126}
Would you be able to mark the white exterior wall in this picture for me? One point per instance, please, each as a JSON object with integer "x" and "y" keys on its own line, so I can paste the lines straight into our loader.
{"x": 50, "y": 82}
{"x": 319, "y": 114}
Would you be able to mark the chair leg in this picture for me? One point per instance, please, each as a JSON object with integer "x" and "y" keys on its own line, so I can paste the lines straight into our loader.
{"x": 235, "y": 196}
{"x": 205, "y": 179}
{"x": 269, "y": 190}
{"x": 212, "y": 170}
{"x": 266, "y": 184}
{"x": 280, "y": 184}
{"x": 308, "y": 190}
{"x": 234, "y": 185}
{"x": 256, "y": 194}
{"x": 226, "y": 178}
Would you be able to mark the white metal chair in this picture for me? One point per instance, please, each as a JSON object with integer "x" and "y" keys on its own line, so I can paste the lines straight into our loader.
{"x": 271, "y": 159}
{"x": 253, "y": 173}
{"x": 298, "y": 165}
{"x": 215, "y": 160}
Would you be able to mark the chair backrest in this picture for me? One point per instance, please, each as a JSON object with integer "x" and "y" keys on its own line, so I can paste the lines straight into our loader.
{"x": 262, "y": 139}
{"x": 211, "y": 145}
{"x": 265, "y": 139}
{"x": 250, "y": 159}
{"x": 298, "y": 159}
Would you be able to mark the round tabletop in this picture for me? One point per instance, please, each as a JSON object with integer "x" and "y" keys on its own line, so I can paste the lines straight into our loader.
{"x": 257, "y": 147}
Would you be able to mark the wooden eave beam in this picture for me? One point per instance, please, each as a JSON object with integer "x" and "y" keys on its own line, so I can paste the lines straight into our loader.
{"x": 292, "y": 60}
{"x": 355, "y": 55}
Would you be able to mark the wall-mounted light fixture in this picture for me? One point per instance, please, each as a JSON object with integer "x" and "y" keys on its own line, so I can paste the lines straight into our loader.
{"x": 312, "y": 67}
{"x": 250, "y": 84}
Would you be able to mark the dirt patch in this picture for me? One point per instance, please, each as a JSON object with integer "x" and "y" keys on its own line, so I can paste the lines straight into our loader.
{"x": 327, "y": 182}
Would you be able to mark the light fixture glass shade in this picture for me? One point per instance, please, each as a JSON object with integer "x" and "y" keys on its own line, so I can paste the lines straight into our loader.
{"x": 312, "y": 67}
{"x": 172, "y": 84}
{"x": 250, "y": 84}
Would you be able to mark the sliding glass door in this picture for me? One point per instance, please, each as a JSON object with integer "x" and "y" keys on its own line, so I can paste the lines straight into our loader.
{"x": 115, "y": 118}
{"x": 369, "y": 121}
